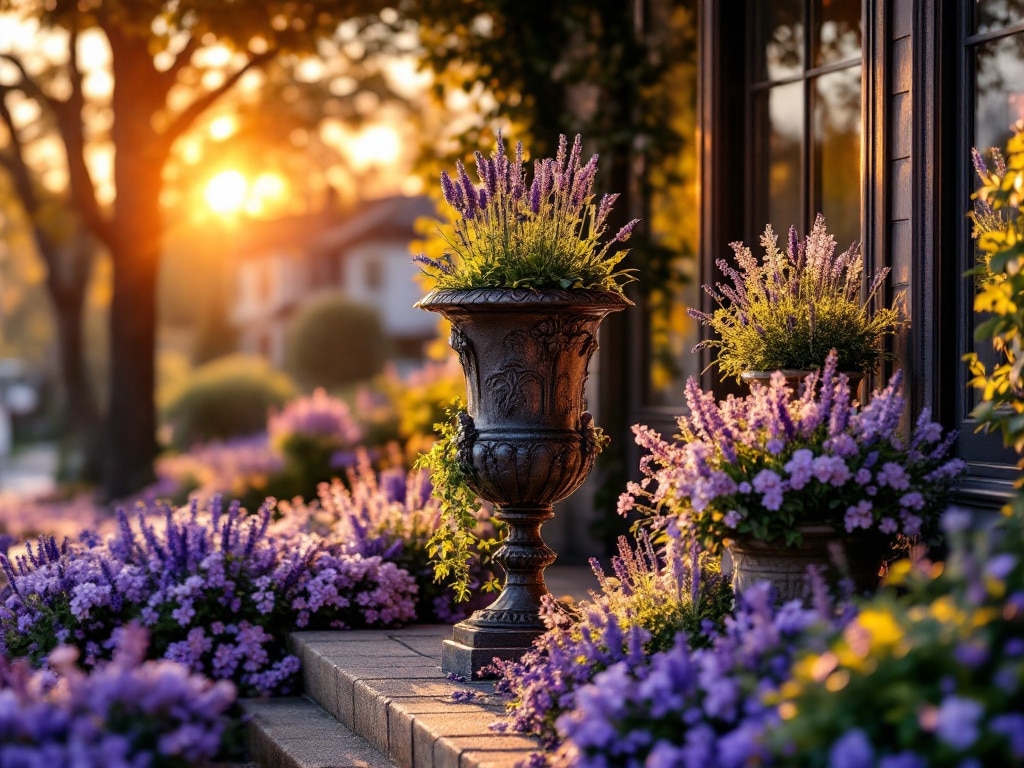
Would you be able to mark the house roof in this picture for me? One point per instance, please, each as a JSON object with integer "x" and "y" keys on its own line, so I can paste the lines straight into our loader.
{"x": 387, "y": 218}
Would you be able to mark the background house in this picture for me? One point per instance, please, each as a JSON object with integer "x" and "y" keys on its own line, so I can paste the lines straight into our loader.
{"x": 364, "y": 252}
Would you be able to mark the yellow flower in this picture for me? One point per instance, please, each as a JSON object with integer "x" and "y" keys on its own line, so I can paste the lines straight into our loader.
{"x": 882, "y": 626}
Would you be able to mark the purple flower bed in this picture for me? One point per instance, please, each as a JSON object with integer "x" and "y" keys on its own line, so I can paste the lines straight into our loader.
{"x": 653, "y": 601}
{"x": 217, "y": 588}
{"x": 690, "y": 707}
{"x": 392, "y": 515}
{"x": 127, "y": 712}
{"x": 927, "y": 673}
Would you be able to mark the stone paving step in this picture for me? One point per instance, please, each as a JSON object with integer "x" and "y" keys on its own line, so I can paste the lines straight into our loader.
{"x": 388, "y": 688}
{"x": 383, "y": 691}
{"x": 298, "y": 733}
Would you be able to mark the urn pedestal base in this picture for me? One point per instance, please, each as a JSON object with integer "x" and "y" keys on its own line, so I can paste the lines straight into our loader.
{"x": 525, "y": 441}
{"x": 474, "y": 647}
{"x": 507, "y": 628}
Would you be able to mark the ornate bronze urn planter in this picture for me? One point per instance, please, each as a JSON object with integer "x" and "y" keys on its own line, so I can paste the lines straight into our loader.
{"x": 526, "y": 441}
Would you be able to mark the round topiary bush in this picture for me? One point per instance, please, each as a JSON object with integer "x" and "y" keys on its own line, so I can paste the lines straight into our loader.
{"x": 334, "y": 341}
{"x": 224, "y": 398}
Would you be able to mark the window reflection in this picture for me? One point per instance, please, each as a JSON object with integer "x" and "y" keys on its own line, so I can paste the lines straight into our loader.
{"x": 999, "y": 101}
{"x": 780, "y": 40}
{"x": 837, "y": 31}
{"x": 779, "y": 121}
{"x": 993, "y": 15}
{"x": 837, "y": 147}
{"x": 805, "y": 140}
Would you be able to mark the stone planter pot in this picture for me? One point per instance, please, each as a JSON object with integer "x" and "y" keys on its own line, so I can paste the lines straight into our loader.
{"x": 526, "y": 441}
{"x": 795, "y": 378}
{"x": 840, "y": 555}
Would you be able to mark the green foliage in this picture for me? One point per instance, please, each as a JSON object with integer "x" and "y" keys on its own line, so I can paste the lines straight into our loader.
{"x": 659, "y": 593}
{"x": 454, "y": 542}
{"x": 333, "y": 341}
{"x": 999, "y": 234}
{"x": 788, "y": 310}
{"x": 226, "y": 398}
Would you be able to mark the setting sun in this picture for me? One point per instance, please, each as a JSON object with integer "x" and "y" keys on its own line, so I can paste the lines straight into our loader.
{"x": 231, "y": 192}
{"x": 226, "y": 192}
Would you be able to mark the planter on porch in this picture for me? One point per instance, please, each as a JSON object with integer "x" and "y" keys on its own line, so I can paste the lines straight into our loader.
{"x": 526, "y": 441}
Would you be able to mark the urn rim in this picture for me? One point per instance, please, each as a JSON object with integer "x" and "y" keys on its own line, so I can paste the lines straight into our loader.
{"x": 510, "y": 298}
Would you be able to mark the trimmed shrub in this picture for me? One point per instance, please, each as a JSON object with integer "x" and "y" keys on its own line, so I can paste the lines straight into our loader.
{"x": 333, "y": 341}
{"x": 226, "y": 398}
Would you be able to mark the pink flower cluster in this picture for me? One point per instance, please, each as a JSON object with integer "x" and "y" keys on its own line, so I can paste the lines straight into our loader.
{"x": 317, "y": 416}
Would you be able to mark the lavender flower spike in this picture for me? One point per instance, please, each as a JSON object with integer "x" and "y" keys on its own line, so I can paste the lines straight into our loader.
{"x": 623, "y": 234}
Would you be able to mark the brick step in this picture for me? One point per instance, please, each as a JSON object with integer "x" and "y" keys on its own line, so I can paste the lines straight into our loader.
{"x": 378, "y": 698}
{"x": 299, "y": 733}
{"x": 388, "y": 688}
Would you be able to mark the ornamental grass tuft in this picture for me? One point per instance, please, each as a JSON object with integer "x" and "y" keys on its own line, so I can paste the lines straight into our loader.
{"x": 788, "y": 310}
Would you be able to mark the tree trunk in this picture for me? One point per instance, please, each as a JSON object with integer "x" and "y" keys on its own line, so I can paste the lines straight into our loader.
{"x": 131, "y": 415}
{"x": 67, "y": 289}
{"x": 134, "y": 243}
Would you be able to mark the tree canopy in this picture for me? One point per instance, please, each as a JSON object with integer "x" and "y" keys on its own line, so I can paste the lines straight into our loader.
{"x": 169, "y": 62}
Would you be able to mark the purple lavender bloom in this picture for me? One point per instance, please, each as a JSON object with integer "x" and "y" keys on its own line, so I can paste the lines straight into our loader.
{"x": 535, "y": 194}
{"x": 485, "y": 170}
{"x": 624, "y": 234}
{"x": 852, "y": 750}
{"x": 467, "y": 192}
{"x": 451, "y": 195}
{"x": 957, "y": 722}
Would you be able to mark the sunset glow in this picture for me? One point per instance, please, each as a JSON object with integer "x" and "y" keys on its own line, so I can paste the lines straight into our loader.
{"x": 226, "y": 192}
{"x": 376, "y": 145}
{"x": 231, "y": 192}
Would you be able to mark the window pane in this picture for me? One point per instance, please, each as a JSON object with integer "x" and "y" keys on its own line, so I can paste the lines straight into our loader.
{"x": 999, "y": 74}
{"x": 990, "y": 15}
{"x": 999, "y": 101}
{"x": 778, "y": 139}
{"x": 779, "y": 39}
{"x": 837, "y": 32}
{"x": 837, "y": 150}
{"x": 998, "y": 85}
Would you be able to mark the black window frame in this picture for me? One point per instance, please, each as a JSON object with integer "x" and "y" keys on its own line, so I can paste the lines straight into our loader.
{"x": 810, "y": 161}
